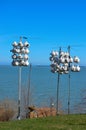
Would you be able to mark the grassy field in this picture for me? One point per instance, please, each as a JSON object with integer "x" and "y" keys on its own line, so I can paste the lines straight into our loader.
{"x": 63, "y": 122}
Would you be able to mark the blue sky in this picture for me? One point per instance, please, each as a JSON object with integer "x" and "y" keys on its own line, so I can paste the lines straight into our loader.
{"x": 48, "y": 24}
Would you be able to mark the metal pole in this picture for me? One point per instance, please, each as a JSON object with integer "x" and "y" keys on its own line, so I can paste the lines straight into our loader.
{"x": 69, "y": 96}
{"x": 69, "y": 84}
{"x": 19, "y": 90}
{"x": 29, "y": 85}
{"x": 57, "y": 108}
{"x": 19, "y": 59}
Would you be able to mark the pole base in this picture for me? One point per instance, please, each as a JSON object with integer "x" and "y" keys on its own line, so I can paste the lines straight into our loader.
{"x": 18, "y": 117}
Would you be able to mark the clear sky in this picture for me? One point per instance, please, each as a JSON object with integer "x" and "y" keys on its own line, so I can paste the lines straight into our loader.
{"x": 48, "y": 24}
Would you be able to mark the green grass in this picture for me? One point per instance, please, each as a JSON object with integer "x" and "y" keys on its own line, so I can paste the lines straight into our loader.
{"x": 63, "y": 122}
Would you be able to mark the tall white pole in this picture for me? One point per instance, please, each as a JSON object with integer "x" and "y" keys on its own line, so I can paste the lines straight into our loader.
{"x": 69, "y": 85}
{"x": 20, "y": 58}
{"x": 57, "y": 107}
{"x": 29, "y": 85}
{"x": 19, "y": 95}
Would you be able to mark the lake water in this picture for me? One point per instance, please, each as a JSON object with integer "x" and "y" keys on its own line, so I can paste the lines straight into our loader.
{"x": 43, "y": 86}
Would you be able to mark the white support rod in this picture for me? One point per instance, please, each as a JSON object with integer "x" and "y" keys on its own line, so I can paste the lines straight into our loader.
{"x": 19, "y": 94}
